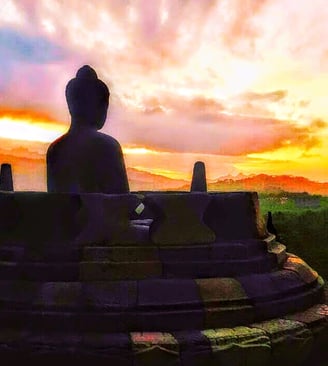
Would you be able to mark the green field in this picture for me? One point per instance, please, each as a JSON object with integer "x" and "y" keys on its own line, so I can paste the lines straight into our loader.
{"x": 301, "y": 221}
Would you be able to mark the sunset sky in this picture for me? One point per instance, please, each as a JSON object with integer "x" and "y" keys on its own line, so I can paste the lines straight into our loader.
{"x": 239, "y": 84}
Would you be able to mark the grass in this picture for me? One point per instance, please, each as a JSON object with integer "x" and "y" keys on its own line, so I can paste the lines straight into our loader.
{"x": 295, "y": 202}
{"x": 301, "y": 221}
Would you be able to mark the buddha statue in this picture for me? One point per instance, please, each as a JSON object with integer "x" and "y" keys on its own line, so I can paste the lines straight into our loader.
{"x": 83, "y": 159}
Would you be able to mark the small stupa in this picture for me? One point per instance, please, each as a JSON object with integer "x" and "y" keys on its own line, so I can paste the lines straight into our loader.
{"x": 6, "y": 178}
{"x": 198, "y": 181}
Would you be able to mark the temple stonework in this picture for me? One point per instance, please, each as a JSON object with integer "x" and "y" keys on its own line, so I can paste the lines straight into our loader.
{"x": 201, "y": 281}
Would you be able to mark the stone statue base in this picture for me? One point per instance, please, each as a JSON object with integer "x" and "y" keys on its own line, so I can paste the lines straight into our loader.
{"x": 80, "y": 280}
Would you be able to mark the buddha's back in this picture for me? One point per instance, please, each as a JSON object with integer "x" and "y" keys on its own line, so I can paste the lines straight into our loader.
{"x": 85, "y": 160}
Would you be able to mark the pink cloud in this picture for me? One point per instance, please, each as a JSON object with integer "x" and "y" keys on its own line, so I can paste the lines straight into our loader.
{"x": 188, "y": 128}
{"x": 241, "y": 29}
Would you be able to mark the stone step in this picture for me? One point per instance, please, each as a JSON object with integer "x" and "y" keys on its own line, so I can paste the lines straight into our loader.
{"x": 227, "y": 250}
{"x": 19, "y": 253}
{"x": 296, "y": 339}
{"x": 34, "y": 271}
{"x": 116, "y": 295}
{"x": 156, "y": 304}
{"x": 117, "y": 270}
{"x": 219, "y": 268}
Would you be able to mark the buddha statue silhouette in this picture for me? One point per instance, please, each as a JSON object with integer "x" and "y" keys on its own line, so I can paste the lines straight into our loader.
{"x": 85, "y": 160}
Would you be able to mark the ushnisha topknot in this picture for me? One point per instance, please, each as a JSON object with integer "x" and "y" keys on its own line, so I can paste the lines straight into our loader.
{"x": 86, "y": 72}
{"x": 85, "y": 93}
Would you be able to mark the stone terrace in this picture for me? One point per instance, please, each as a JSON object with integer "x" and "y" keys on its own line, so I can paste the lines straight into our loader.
{"x": 194, "y": 279}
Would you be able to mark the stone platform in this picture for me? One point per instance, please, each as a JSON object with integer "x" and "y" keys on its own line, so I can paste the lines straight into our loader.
{"x": 194, "y": 280}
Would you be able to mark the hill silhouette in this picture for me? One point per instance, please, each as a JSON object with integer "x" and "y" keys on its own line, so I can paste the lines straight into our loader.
{"x": 271, "y": 184}
{"x": 144, "y": 181}
{"x": 141, "y": 180}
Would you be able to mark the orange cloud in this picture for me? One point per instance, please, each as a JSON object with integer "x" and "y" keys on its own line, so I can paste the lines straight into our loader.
{"x": 209, "y": 126}
{"x": 29, "y": 126}
{"x": 273, "y": 96}
{"x": 25, "y": 114}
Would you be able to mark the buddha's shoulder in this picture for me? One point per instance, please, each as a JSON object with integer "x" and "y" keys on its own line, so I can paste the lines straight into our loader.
{"x": 96, "y": 141}
{"x": 56, "y": 144}
{"x": 104, "y": 140}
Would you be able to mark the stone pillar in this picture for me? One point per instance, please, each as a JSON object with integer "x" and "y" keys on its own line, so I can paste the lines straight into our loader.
{"x": 198, "y": 183}
{"x": 6, "y": 178}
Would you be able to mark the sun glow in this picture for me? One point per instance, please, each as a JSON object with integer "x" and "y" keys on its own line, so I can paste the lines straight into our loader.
{"x": 139, "y": 151}
{"x": 172, "y": 174}
{"x": 289, "y": 153}
{"x": 48, "y": 26}
{"x": 290, "y": 160}
{"x": 241, "y": 76}
{"x": 10, "y": 13}
{"x": 28, "y": 130}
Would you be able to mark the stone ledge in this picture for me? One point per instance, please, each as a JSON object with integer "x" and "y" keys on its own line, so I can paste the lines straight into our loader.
{"x": 278, "y": 341}
{"x": 51, "y": 218}
{"x": 157, "y": 304}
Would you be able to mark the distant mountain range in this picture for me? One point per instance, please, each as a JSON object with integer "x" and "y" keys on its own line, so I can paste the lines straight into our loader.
{"x": 144, "y": 181}
{"x": 270, "y": 183}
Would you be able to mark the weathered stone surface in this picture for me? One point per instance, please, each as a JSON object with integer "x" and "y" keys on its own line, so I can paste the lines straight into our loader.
{"x": 179, "y": 219}
{"x": 40, "y": 219}
{"x": 219, "y": 291}
{"x": 291, "y": 341}
{"x": 194, "y": 347}
{"x": 102, "y": 270}
{"x": 316, "y": 320}
{"x": 121, "y": 253}
{"x": 85, "y": 297}
{"x": 155, "y": 348}
{"x": 239, "y": 346}
{"x": 107, "y": 219}
{"x": 297, "y": 265}
{"x": 234, "y": 215}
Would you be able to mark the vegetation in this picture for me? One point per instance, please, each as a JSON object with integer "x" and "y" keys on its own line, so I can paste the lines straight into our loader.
{"x": 301, "y": 221}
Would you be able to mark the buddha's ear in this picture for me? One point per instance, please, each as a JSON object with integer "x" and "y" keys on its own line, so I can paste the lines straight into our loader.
{"x": 101, "y": 117}
{"x": 106, "y": 104}
{"x": 104, "y": 101}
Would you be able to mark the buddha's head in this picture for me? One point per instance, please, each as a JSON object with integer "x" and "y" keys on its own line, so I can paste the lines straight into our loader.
{"x": 87, "y": 98}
